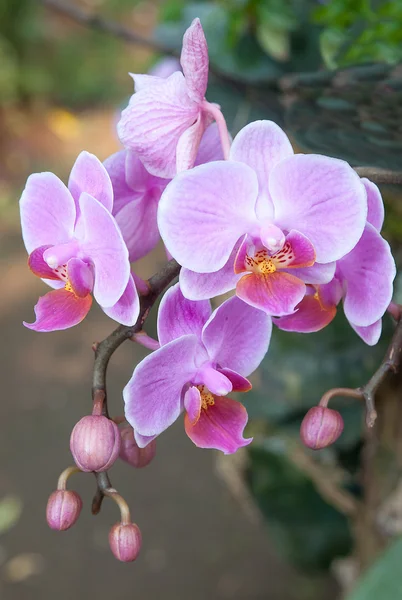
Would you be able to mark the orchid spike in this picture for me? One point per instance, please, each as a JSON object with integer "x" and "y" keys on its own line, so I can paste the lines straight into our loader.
{"x": 266, "y": 222}
{"x": 203, "y": 357}
{"x": 363, "y": 280}
{"x": 75, "y": 245}
{"x": 166, "y": 117}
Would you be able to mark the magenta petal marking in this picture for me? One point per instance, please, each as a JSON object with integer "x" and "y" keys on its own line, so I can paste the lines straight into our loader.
{"x": 38, "y": 266}
{"x": 220, "y": 426}
{"x": 89, "y": 175}
{"x": 237, "y": 336}
{"x": 310, "y": 316}
{"x": 239, "y": 383}
{"x": 194, "y": 61}
{"x": 192, "y": 404}
{"x": 47, "y": 211}
{"x": 59, "y": 310}
{"x": 276, "y": 294}
{"x": 80, "y": 276}
{"x": 153, "y": 396}
{"x": 370, "y": 334}
{"x": 375, "y": 205}
{"x": 127, "y": 308}
{"x": 178, "y": 316}
{"x": 301, "y": 252}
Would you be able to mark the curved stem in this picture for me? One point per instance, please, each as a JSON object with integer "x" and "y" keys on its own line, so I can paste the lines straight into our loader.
{"x": 104, "y": 351}
{"x": 64, "y": 476}
{"x": 222, "y": 127}
{"x": 121, "y": 503}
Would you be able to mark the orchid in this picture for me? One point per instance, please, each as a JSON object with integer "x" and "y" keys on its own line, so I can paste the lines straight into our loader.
{"x": 75, "y": 244}
{"x": 202, "y": 358}
{"x": 363, "y": 279}
{"x": 137, "y": 193}
{"x": 266, "y": 222}
{"x": 166, "y": 117}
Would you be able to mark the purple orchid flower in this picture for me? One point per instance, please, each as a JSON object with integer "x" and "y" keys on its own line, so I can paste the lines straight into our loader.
{"x": 166, "y": 117}
{"x": 137, "y": 193}
{"x": 75, "y": 244}
{"x": 266, "y": 222}
{"x": 363, "y": 280}
{"x": 202, "y": 358}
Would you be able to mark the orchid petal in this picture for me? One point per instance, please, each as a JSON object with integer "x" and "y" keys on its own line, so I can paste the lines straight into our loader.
{"x": 115, "y": 165}
{"x": 202, "y": 286}
{"x": 145, "y": 80}
{"x": 188, "y": 144}
{"x": 153, "y": 396}
{"x": 212, "y": 205}
{"x": 39, "y": 266}
{"x": 215, "y": 381}
{"x": 153, "y": 122}
{"x": 138, "y": 224}
{"x": 47, "y": 212}
{"x": 239, "y": 383}
{"x": 237, "y": 336}
{"x": 80, "y": 276}
{"x": 310, "y": 316}
{"x": 103, "y": 244}
{"x": 370, "y": 334}
{"x": 90, "y": 175}
{"x": 324, "y": 199}
{"x": 178, "y": 316}
{"x": 59, "y": 309}
{"x": 220, "y": 426}
{"x": 318, "y": 273}
{"x": 261, "y": 145}
{"x": 375, "y": 204}
{"x": 368, "y": 271}
{"x": 127, "y": 308}
{"x": 210, "y": 148}
{"x": 143, "y": 440}
{"x": 276, "y": 294}
{"x": 298, "y": 252}
{"x": 194, "y": 61}
{"x": 192, "y": 404}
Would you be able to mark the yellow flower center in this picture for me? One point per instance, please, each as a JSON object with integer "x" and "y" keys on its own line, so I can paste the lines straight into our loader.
{"x": 207, "y": 399}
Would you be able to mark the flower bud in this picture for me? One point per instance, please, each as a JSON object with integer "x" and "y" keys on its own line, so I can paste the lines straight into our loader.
{"x": 130, "y": 451}
{"x": 125, "y": 541}
{"x": 63, "y": 509}
{"x": 321, "y": 427}
{"x": 95, "y": 443}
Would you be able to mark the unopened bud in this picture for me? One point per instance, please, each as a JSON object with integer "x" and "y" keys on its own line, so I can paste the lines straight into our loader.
{"x": 130, "y": 451}
{"x": 63, "y": 509}
{"x": 321, "y": 427}
{"x": 125, "y": 541}
{"x": 95, "y": 443}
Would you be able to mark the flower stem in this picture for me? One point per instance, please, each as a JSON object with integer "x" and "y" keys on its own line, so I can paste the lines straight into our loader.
{"x": 121, "y": 503}
{"x": 216, "y": 112}
{"x": 62, "y": 482}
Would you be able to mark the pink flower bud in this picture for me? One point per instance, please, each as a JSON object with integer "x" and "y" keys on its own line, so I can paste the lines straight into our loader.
{"x": 95, "y": 443}
{"x": 321, "y": 427}
{"x": 131, "y": 453}
{"x": 125, "y": 541}
{"x": 63, "y": 509}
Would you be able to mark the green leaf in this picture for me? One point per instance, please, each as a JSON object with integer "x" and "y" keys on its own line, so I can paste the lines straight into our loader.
{"x": 275, "y": 42}
{"x": 383, "y": 580}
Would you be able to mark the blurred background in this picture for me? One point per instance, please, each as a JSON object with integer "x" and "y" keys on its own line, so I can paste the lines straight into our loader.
{"x": 262, "y": 524}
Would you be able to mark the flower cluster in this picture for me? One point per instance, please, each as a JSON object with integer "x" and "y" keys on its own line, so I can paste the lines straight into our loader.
{"x": 287, "y": 235}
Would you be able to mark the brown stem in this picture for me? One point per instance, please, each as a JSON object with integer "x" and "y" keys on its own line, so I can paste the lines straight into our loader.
{"x": 64, "y": 476}
{"x": 105, "y": 349}
{"x": 380, "y": 176}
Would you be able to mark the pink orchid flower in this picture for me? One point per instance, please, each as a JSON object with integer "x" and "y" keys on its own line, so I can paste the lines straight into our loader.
{"x": 166, "y": 117}
{"x": 363, "y": 279}
{"x": 202, "y": 358}
{"x": 266, "y": 222}
{"x": 75, "y": 244}
{"x": 137, "y": 193}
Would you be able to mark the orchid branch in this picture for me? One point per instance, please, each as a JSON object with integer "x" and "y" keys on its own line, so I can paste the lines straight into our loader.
{"x": 106, "y": 348}
{"x": 380, "y": 176}
{"x": 390, "y": 362}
